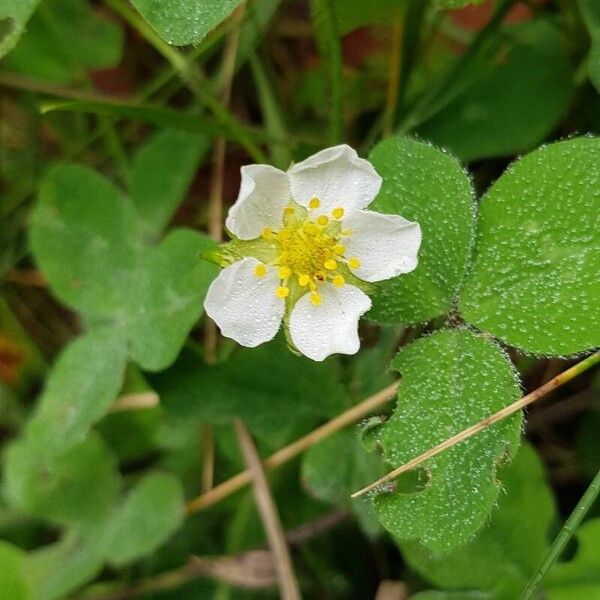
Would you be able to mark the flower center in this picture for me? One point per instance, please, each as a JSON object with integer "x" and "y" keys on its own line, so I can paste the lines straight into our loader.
{"x": 309, "y": 250}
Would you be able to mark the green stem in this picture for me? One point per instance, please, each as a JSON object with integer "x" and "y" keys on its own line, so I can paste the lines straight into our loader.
{"x": 433, "y": 99}
{"x": 190, "y": 76}
{"x": 325, "y": 21}
{"x": 272, "y": 114}
{"x": 566, "y": 533}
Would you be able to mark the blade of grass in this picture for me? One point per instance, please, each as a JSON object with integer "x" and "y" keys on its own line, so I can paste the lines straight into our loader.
{"x": 563, "y": 537}
{"x": 327, "y": 34}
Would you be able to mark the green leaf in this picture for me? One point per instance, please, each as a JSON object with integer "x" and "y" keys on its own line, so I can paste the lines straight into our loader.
{"x": 338, "y": 466}
{"x": 590, "y": 11}
{"x": 156, "y": 196}
{"x": 59, "y": 568}
{"x": 169, "y": 299}
{"x": 428, "y": 186}
{"x": 14, "y": 15}
{"x": 508, "y": 550}
{"x": 88, "y": 240}
{"x": 81, "y": 387}
{"x": 63, "y": 40}
{"x": 78, "y": 486}
{"x": 13, "y": 581}
{"x": 534, "y": 283}
{"x": 578, "y": 579}
{"x": 450, "y": 380}
{"x": 494, "y": 115}
{"x": 149, "y": 515}
{"x": 181, "y": 22}
{"x": 272, "y": 390}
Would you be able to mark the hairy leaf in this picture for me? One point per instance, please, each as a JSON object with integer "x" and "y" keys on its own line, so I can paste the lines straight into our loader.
{"x": 534, "y": 283}
{"x": 182, "y": 22}
{"x": 450, "y": 380}
{"x": 428, "y": 186}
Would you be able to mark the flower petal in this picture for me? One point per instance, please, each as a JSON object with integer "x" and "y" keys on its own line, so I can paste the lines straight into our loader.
{"x": 264, "y": 192}
{"x": 386, "y": 245}
{"x": 318, "y": 331}
{"x": 338, "y": 177}
{"x": 245, "y": 306}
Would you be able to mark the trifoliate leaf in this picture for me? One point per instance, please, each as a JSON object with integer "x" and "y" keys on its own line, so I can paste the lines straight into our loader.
{"x": 156, "y": 195}
{"x": 147, "y": 517}
{"x": 182, "y": 22}
{"x": 507, "y": 551}
{"x": 14, "y": 15}
{"x": 78, "y": 486}
{"x": 534, "y": 283}
{"x": 428, "y": 186}
{"x": 494, "y": 115}
{"x": 63, "y": 40}
{"x": 88, "y": 240}
{"x": 82, "y": 385}
{"x": 13, "y": 580}
{"x": 450, "y": 380}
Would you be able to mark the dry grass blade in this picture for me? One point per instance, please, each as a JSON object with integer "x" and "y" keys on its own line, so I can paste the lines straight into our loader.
{"x": 349, "y": 417}
{"x": 551, "y": 385}
{"x": 288, "y": 585}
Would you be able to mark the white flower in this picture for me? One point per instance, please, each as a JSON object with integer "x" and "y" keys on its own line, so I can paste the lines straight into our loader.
{"x": 308, "y": 248}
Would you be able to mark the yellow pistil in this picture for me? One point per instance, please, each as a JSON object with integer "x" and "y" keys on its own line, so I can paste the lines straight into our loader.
{"x": 309, "y": 253}
{"x": 260, "y": 270}
{"x": 353, "y": 262}
{"x": 337, "y": 213}
{"x": 314, "y": 203}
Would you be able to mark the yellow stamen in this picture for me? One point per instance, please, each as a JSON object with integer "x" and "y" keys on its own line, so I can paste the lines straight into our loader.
{"x": 338, "y": 281}
{"x": 346, "y": 231}
{"x": 337, "y": 213}
{"x": 330, "y": 264}
{"x": 354, "y": 262}
{"x": 314, "y": 203}
{"x": 260, "y": 270}
{"x": 339, "y": 249}
{"x": 310, "y": 228}
{"x": 304, "y": 280}
{"x": 267, "y": 234}
{"x": 315, "y": 299}
{"x": 322, "y": 220}
{"x": 282, "y": 292}
{"x": 284, "y": 272}
{"x": 288, "y": 210}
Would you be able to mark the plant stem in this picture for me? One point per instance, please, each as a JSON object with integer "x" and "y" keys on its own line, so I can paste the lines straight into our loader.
{"x": 326, "y": 25}
{"x": 191, "y": 77}
{"x": 565, "y": 534}
{"x": 540, "y": 392}
{"x": 433, "y": 99}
